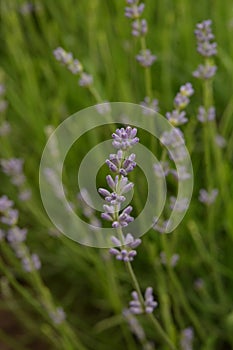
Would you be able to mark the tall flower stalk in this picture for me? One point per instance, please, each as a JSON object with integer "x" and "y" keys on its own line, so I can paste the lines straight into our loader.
{"x": 121, "y": 164}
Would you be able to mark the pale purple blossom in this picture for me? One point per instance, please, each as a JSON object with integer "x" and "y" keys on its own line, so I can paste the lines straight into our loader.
{"x": 160, "y": 225}
{"x": 85, "y": 80}
{"x": 25, "y": 195}
{"x": 161, "y": 169}
{"x": 172, "y": 261}
{"x": 183, "y": 173}
{"x": 173, "y": 138}
{"x": 10, "y": 217}
{"x": 204, "y": 37}
{"x": 103, "y": 108}
{"x": 118, "y": 164}
{"x": 146, "y": 58}
{"x": 220, "y": 141}
{"x": 5, "y": 203}
{"x": 149, "y": 303}
{"x": 128, "y": 252}
{"x": 12, "y": 166}
{"x": 139, "y": 27}
{"x": 58, "y": 316}
{"x": 134, "y": 11}
{"x": 206, "y": 197}
{"x": 16, "y": 234}
{"x": 206, "y": 115}
{"x": 176, "y": 117}
{"x": 186, "y": 341}
{"x": 206, "y": 71}
{"x": 151, "y": 106}
{"x": 179, "y": 205}
{"x": 31, "y": 263}
{"x": 134, "y": 325}
{"x": 178, "y": 154}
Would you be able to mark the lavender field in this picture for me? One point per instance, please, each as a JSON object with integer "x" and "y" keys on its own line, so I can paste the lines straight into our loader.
{"x": 116, "y": 158}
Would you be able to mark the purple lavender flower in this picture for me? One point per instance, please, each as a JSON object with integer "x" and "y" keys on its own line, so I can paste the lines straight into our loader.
{"x": 186, "y": 341}
{"x": 204, "y": 37}
{"x": 62, "y": 56}
{"x": 118, "y": 164}
{"x": 178, "y": 154}
{"x": 103, "y": 108}
{"x": 206, "y": 71}
{"x": 206, "y": 197}
{"x": 10, "y": 217}
{"x": 220, "y": 141}
{"x": 12, "y": 167}
{"x": 125, "y": 138}
{"x": 124, "y": 218}
{"x": 134, "y": 11}
{"x": 5, "y": 204}
{"x": 159, "y": 225}
{"x": 161, "y": 169}
{"x": 173, "y": 138}
{"x": 149, "y": 303}
{"x": 134, "y": 325}
{"x": 16, "y": 234}
{"x": 145, "y": 58}
{"x": 206, "y": 115}
{"x": 150, "y": 106}
{"x": 139, "y": 27}
{"x": 25, "y": 194}
{"x": 58, "y": 316}
{"x": 187, "y": 90}
{"x": 31, "y": 263}
{"x": 176, "y": 117}
{"x": 128, "y": 252}
{"x": 85, "y": 80}
{"x": 183, "y": 174}
{"x": 173, "y": 260}
{"x": 66, "y": 58}
{"x": 112, "y": 198}
{"x": 179, "y": 205}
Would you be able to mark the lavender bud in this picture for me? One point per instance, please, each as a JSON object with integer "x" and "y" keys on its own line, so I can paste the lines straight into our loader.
{"x": 145, "y": 58}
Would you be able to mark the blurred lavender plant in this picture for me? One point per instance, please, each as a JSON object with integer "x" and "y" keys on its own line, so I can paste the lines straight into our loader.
{"x": 206, "y": 48}
{"x": 181, "y": 101}
{"x": 16, "y": 236}
{"x": 206, "y": 197}
{"x": 73, "y": 65}
{"x": 172, "y": 261}
{"x": 13, "y": 168}
{"x": 186, "y": 341}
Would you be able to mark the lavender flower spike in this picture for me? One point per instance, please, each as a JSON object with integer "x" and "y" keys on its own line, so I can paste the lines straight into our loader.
{"x": 204, "y": 37}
